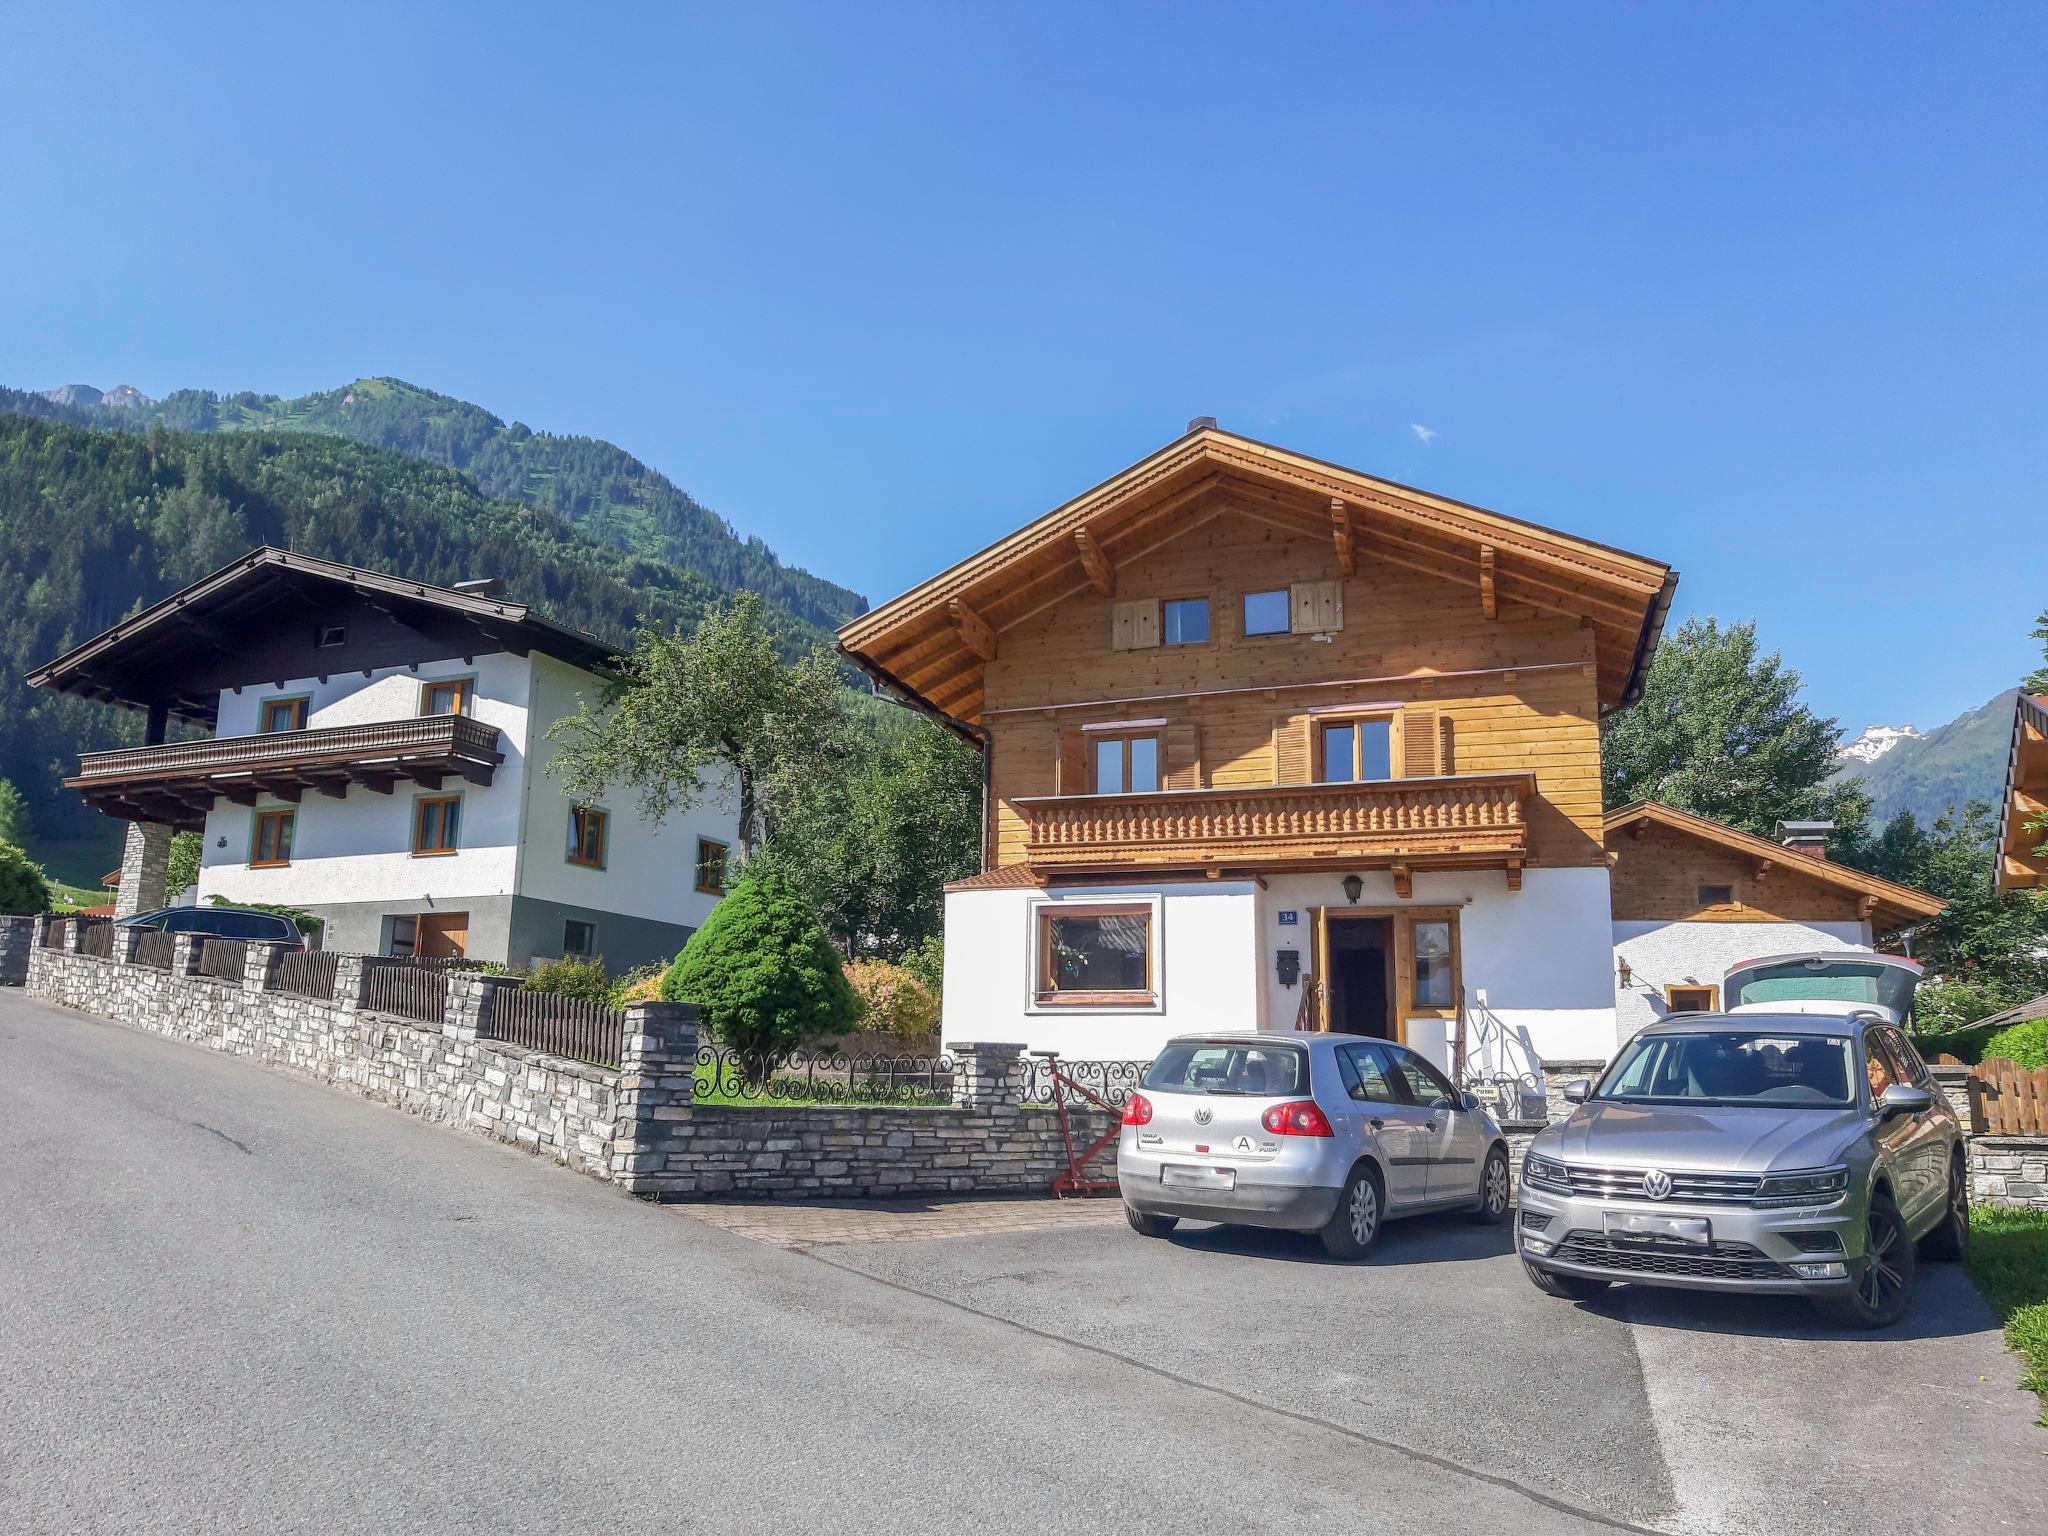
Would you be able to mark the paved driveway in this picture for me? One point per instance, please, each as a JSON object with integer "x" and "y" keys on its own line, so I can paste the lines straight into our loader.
{"x": 231, "y": 1300}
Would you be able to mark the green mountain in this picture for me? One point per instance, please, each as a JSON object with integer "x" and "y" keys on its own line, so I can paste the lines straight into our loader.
{"x": 1961, "y": 761}
{"x": 95, "y": 525}
{"x": 585, "y": 481}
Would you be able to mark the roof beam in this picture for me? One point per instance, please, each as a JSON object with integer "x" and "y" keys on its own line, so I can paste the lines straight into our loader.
{"x": 1101, "y": 574}
{"x": 1489, "y": 604}
{"x": 973, "y": 629}
{"x": 1340, "y": 533}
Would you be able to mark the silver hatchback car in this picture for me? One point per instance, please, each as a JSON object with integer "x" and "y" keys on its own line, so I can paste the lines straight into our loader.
{"x": 1789, "y": 1153}
{"x": 1332, "y": 1134}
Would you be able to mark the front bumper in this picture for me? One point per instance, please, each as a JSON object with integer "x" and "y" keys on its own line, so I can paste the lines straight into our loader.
{"x": 1752, "y": 1251}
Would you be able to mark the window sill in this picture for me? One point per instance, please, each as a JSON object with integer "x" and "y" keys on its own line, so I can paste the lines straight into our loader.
{"x": 1096, "y": 999}
{"x": 710, "y": 890}
{"x": 582, "y": 864}
{"x": 435, "y": 853}
{"x": 270, "y": 864}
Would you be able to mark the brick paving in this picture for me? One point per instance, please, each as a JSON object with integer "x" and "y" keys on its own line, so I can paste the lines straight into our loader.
{"x": 800, "y": 1224}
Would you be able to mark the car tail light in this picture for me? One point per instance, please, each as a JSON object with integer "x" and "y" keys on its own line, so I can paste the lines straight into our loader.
{"x": 1300, "y": 1118}
{"x": 1138, "y": 1110}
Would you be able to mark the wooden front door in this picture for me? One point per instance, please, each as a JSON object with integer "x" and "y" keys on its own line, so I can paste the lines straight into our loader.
{"x": 442, "y": 936}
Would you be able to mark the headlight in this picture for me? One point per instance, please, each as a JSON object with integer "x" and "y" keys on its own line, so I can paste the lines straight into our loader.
{"x": 1817, "y": 1186}
{"x": 1546, "y": 1173}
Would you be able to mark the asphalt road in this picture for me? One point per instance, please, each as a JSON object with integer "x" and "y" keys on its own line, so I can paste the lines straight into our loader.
{"x": 232, "y": 1300}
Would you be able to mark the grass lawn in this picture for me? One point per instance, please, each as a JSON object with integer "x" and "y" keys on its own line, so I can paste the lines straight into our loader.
{"x": 2009, "y": 1262}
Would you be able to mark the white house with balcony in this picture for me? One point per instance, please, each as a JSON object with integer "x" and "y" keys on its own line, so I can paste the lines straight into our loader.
{"x": 377, "y": 756}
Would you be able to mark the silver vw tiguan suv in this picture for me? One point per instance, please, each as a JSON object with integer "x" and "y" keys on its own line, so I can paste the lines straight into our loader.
{"x": 1788, "y": 1153}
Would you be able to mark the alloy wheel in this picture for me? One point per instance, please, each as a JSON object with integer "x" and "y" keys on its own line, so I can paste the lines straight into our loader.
{"x": 1365, "y": 1211}
{"x": 1496, "y": 1185}
{"x": 1883, "y": 1279}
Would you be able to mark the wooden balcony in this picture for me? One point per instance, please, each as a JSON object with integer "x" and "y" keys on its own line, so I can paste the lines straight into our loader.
{"x": 177, "y": 782}
{"x": 1471, "y": 820}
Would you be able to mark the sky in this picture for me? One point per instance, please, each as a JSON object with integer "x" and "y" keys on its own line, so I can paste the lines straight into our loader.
{"x": 1756, "y": 290}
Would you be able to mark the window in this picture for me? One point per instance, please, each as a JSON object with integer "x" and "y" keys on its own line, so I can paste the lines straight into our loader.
{"x": 1125, "y": 765}
{"x": 588, "y": 828}
{"x": 1094, "y": 954}
{"x": 404, "y": 936}
{"x": 1364, "y": 1072}
{"x": 1356, "y": 751}
{"x": 1693, "y": 999}
{"x": 1435, "y": 986}
{"x": 710, "y": 867}
{"x": 1186, "y": 621}
{"x": 1911, "y": 1064}
{"x": 1425, "y": 1085}
{"x": 282, "y": 715}
{"x": 449, "y": 698}
{"x": 1266, "y": 613}
{"x": 436, "y": 824}
{"x": 328, "y": 636}
{"x": 1717, "y": 895}
{"x": 271, "y": 843}
{"x": 579, "y": 938}
{"x": 1790, "y": 1071}
{"x": 1254, "y": 1071}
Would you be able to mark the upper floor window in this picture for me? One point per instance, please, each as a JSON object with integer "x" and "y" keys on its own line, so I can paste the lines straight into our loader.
{"x": 588, "y": 829}
{"x": 437, "y": 824}
{"x": 711, "y": 866}
{"x": 1358, "y": 750}
{"x": 1125, "y": 765}
{"x": 283, "y": 715}
{"x": 270, "y": 844}
{"x": 328, "y": 636}
{"x": 1267, "y": 613}
{"x": 1185, "y": 621}
{"x": 453, "y": 697}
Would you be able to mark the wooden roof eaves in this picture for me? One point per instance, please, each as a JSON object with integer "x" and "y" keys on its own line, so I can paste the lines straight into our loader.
{"x": 2027, "y": 711}
{"x": 1904, "y": 897}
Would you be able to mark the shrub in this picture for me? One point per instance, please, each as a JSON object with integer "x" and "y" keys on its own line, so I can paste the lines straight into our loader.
{"x": 181, "y": 867}
{"x": 892, "y": 999}
{"x": 571, "y": 976}
{"x": 927, "y": 962}
{"x": 761, "y": 972}
{"x": 2025, "y": 1044}
{"x": 23, "y": 890}
{"x": 642, "y": 984}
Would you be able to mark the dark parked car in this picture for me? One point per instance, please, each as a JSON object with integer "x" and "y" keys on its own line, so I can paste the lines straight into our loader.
{"x": 220, "y": 923}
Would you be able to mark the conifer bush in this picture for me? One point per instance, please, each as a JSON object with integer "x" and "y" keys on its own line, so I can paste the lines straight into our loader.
{"x": 761, "y": 972}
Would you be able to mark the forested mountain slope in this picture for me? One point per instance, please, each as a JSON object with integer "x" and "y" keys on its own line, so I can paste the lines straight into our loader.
{"x": 1949, "y": 766}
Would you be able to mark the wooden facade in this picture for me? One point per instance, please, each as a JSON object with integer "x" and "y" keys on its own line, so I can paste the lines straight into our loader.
{"x": 2024, "y": 825}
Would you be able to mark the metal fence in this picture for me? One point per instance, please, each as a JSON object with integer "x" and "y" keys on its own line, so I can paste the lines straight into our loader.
{"x": 727, "y": 1076}
{"x": 153, "y": 948}
{"x": 305, "y": 973}
{"x": 405, "y": 988}
{"x": 224, "y": 959}
{"x": 95, "y": 937}
{"x": 1112, "y": 1080}
{"x": 558, "y": 1025}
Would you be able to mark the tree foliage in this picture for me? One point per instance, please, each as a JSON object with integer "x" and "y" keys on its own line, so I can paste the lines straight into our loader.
{"x": 23, "y": 890}
{"x": 1720, "y": 732}
{"x": 2024, "y": 1044}
{"x": 892, "y": 1000}
{"x": 181, "y": 865}
{"x": 687, "y": 714}
{"x": 2037, "y": 681}
{"x": 761, "y": 972}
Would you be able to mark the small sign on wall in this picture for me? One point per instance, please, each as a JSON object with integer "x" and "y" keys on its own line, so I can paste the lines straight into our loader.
{"x": 1290, "y": 919}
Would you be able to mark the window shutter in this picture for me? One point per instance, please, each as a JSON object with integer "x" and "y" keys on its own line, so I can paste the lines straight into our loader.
{"x": 1446, "y": 745}
{"x": 1301, "y": 607}
{"x": 1315, "y": 607}
{"x": 1419, "y": 742}
{"x": 1291, "y": 743}
{"x": 1134, "y": 626}
{"x": 1330, "y": 606}
{"x": 1183, "y": 757}
{"x": 1073, "y": 764}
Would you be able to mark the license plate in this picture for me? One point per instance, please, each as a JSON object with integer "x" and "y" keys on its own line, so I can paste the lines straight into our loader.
{"x": 1634, "y": 1226}
{"x": 1181, "y": 1176}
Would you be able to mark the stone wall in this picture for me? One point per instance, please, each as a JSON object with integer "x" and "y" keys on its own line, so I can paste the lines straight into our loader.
{"x": 17, "y": 937}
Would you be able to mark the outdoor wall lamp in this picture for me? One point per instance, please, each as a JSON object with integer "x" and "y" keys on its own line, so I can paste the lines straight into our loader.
{"x": 1622, "y": 973}
{"x": 1352, "y": 887}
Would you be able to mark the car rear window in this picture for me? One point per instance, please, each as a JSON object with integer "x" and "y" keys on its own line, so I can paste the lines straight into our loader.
{"x": 240, "y": 925}
{"x": 1222, "y": 1067}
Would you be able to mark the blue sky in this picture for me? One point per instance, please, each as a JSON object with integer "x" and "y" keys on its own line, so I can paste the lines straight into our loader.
{"x": 1753, "y": 289}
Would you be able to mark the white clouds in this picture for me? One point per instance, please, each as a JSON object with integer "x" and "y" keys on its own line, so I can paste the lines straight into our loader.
{"x": 1423, "y": 434}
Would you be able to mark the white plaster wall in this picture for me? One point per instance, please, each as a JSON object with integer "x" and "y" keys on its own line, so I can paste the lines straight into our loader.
{"x": 1661, "y": 954}
{"x": 358, "y": 848}
{"x": 1204, "y": 954}
{"x": 649, "y": 871}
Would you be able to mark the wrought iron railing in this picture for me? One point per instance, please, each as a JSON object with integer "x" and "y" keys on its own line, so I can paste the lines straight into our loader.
{"x": 1110, "y": 1080}
{"x": 224, "y": 959}
{"x": 726, "y": 1076}
{"x": 558, "y": 1025}
{"x": 306, "y": 973}
{"x": 153, "y": 948}
{"x": 95, "y": 937}
{"x": 407, "y": 988}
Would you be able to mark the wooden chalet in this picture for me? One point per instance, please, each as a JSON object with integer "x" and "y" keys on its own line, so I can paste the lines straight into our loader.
{"x": 2023, "y": 832}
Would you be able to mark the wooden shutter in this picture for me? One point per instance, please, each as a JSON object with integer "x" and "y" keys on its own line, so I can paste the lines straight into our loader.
{"x": 1134, "y": 626}
{"x": 1420, "y": 742}
{"x": 1329, "y": 606}
{"x": 1446, "y": 745}
{"x": 1183, "y": 747}
{"x": 1073, "y": 764}
{"x": 1293, "y": 737}
{"x": 1315, "y": 607}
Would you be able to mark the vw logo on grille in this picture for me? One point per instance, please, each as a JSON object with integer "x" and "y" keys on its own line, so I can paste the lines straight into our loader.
{"x": 1204, "y": 1115}
{"x": 1657, "y": 1184}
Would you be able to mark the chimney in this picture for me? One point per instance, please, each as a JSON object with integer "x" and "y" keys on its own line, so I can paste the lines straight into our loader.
{"x": 483, "y": 586}
{"x": 1201, "y": 424}
{"x": 1808, "y": 838}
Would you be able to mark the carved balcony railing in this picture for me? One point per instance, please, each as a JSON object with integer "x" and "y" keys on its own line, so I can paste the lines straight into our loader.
{"x": 1471, "y": 819}
{"x": 177, "y": 782}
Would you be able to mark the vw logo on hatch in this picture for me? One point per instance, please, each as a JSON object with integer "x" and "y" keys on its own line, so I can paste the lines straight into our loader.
{"x": 1657, "y": 1184}
{"x": 1204, "y": 1115}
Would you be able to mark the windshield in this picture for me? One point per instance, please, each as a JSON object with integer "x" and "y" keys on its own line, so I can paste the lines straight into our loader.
{"x": 1826, "y": 981}
{"x": 1250, "y": 1071}
{"x": 1796, "y": 1071}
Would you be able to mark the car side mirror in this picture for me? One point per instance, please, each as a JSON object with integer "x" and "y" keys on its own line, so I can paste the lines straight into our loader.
{"x": 1904, "y": 1099}
{"x": 1578, "y": 1090}
{"x": 1468, "y": 1102}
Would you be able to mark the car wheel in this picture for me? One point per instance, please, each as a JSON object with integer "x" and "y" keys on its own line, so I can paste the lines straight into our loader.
{"x": 1950, "y": 1240}
{"x": 1570, "y": 1287}
{"x": 1494, "y": 1201}
{"x": 1354, "y": 1227}
{"x": 1884, "y": 1289}
{"x": 1145, "y": 1224}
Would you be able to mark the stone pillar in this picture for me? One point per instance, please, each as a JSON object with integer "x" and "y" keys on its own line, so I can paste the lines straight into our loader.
{"x": 17, "y": 943}
{"x": 473, "y": 1003}
{"x": 988, "y": 1076}
{"x": 259, "y": 960}
{"x": 185, "y": 950}
{"x": 348, "y": 983}
{"x": 145, "y": 858}
{"x": 68, "y": 939}
{"x": 125, "y": 940}
{"x": 657, "y": 1086}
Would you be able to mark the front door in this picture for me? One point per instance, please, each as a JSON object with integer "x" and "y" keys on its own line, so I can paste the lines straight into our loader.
{"x": 1359, "y": 975}
{"x": 442, "y": 936}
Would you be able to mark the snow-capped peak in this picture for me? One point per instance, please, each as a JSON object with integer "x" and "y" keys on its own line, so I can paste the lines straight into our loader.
{"x": 1875, "y": 741}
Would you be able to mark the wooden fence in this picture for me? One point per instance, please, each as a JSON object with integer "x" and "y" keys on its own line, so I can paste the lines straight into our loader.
{"x": 96, "y": 937}
{"x": 224, "y": 959}
{"x": 410, "y": 991}
{"x": 560, "y": 1026}
{"x": 2008, "y": 1100}
{"x": 153, "y": 948}
{"x": 305, "y": 973}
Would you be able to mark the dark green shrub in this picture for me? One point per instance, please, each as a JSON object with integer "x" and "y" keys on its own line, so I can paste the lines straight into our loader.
{"x": 571, "y": 976}
{"x": 23, "y": 890}
{"x": 2025, "y": 1044}
{"x": 763, "y": 975}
